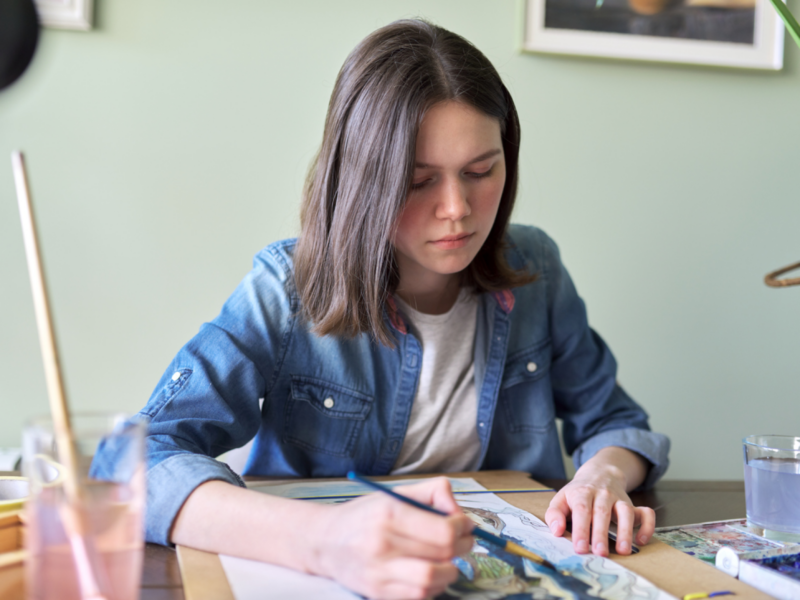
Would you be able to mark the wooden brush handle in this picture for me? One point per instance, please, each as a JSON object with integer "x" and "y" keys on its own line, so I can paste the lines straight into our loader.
{"x": 44, "y": 324}
{"x": 86, "y": 560}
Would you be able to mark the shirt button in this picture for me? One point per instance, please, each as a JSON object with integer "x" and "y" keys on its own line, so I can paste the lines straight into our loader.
{"x": 481, "y": 424}
{"x": 328, "y": 402}
{"x": 176, "y": 375}
{"x": 532, "y": 366}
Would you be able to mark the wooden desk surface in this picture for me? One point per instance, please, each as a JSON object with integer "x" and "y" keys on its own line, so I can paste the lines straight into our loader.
{"x": 675, "y": 503}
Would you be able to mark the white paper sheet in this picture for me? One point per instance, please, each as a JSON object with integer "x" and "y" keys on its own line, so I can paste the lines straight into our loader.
{"x": 253, "y": 580}
{"x": 336, "y": 491}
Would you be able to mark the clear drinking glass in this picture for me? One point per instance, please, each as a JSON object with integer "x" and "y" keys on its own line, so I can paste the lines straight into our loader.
{"x": 99, "y": 540}
{"x": 772, "y": 485}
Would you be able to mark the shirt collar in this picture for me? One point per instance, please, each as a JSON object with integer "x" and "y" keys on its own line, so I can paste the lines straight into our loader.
{"x": 395, "y": 318}
{"x": 504, "y": 298}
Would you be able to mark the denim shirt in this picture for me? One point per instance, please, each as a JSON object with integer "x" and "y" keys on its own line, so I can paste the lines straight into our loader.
{"x": 334, "y": 404}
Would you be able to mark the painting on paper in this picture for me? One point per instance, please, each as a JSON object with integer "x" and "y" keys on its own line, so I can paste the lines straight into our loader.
{"x": 488, "y": 573}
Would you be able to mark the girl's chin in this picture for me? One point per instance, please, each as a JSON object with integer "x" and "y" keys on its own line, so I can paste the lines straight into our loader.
{"x": 424, "y": 264}
{"x": 450, "y": 267}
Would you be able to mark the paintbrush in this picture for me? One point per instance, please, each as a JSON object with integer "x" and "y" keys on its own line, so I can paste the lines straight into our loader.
{"x": 506, "y": 545}
{"x": 74, "y": 521}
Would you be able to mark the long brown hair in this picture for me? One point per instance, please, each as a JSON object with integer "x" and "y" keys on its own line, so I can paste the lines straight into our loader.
{"x": 345, "y": 265}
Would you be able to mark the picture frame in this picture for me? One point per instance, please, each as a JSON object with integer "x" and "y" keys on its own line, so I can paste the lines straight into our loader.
{"x": 699, "y": 32}
{"x": 65, "y": 14}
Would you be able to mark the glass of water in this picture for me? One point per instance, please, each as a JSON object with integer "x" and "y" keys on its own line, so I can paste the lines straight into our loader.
{"x": 772, "y": 485}
{"x": 77, "y": 547}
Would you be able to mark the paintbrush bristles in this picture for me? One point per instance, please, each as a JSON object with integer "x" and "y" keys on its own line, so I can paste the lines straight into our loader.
{"x": 518, "y": 550}
{"x": 525, "y": 553}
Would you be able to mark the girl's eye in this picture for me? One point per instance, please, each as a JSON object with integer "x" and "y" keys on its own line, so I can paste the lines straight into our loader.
{"x": 420, "y": 184}
{"x": 480, "y": 175}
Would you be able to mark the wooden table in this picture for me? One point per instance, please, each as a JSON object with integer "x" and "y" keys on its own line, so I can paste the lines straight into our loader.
{"x": 675, "y": 503}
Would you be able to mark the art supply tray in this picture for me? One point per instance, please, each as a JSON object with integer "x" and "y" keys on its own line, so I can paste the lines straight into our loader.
{"x": 775, "y": 572}
{"x": 12, "y": 531}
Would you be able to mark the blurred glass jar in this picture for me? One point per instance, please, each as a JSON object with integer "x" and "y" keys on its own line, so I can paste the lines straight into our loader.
{"x": 772, "y": 485}
{"x": 100, "y": 538}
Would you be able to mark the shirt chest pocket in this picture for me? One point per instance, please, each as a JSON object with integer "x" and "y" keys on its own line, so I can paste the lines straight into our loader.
{"x": 325, "y": 417}
{"x": 526, "y": 396}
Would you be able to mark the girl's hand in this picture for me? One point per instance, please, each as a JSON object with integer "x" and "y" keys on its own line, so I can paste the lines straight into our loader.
{"x": 383, "y": 548}
{"x": 598, "y": 494}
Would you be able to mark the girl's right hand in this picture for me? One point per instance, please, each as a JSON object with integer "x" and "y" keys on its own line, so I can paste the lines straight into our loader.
{"x": 383, "y": 548}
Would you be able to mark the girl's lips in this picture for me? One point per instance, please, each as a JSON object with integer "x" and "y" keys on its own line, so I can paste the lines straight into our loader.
{"x": 452, "y": 242}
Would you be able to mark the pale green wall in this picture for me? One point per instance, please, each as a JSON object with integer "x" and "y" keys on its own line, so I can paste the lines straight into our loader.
{"x": 168, "y": 145}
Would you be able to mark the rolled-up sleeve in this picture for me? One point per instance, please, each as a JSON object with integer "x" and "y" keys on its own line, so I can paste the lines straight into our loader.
{"x": 180, "y": 474}
{"x": 207, "y": 401}
{"x": 595, "y": 410}
{"x": 652, "y": 446}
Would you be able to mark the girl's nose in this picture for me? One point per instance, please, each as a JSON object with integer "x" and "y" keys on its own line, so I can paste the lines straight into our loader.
{"x": 453, "y": 203}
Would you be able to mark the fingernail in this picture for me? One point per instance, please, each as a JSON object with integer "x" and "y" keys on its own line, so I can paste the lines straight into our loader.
{"x": 582, "y": 547}
{"x": 599, "y": 548}
{"x": 624, "y": 547}
{"x": 642, "y": 540}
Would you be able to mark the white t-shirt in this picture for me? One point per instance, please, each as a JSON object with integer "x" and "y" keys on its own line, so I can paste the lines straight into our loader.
{"x": 442, "y": 434}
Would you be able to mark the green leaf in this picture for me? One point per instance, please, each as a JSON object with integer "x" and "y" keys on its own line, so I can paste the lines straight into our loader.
{"x": 788, "y": 19}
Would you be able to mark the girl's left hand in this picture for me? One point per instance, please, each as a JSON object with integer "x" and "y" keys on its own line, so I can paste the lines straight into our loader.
{"x": 596, "y": 496}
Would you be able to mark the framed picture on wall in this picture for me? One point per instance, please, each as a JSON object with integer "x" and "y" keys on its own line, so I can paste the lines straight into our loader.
{"x": 729, "y": 33}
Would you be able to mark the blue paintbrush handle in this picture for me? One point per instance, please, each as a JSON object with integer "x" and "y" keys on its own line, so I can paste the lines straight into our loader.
{"x": 477, "y": 532}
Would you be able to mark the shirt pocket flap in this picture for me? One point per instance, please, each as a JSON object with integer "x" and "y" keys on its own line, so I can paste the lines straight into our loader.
{"x": 330, "y": 399}
{"x": 528, "y": 364}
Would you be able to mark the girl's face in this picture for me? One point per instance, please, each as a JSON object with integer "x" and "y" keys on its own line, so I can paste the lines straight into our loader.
{"x": 459, "y": 176}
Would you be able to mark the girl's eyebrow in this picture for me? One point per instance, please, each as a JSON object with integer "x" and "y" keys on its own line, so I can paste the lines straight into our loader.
{"x": 484, "y": 156}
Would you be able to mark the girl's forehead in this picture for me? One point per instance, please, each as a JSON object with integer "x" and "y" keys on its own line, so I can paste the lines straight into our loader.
{"x": 453, "y": 131}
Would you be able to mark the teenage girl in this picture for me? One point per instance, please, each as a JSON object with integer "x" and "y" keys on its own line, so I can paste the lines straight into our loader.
{"x": 409, "y": 329}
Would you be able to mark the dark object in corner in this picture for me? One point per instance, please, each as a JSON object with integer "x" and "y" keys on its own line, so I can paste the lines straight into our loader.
{"x": 19, "y": 34}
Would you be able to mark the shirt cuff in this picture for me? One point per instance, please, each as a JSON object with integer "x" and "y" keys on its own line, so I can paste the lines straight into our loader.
{"x": 650, "y": 445}
{"x": 169, "y": 484}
